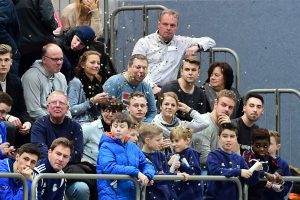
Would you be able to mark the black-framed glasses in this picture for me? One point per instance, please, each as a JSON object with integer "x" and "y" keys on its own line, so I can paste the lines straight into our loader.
{"x": 55, "y": 59}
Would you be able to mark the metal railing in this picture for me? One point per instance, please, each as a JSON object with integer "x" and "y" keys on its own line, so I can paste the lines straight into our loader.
{"x": 84, "y": 176}
{"x": 285, "y": 178}
{"x": 112, "y": 29}
{"x": 18, "y": 176}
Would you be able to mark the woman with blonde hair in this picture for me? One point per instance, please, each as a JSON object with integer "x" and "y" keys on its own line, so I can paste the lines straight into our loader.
{"x": 83, "y": 12}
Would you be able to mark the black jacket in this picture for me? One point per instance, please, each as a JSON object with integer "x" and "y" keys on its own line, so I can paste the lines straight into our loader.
{"x": 37, "y": 24}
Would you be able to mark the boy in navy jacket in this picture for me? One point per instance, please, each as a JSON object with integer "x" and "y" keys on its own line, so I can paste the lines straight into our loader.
{"x": 59, "y": 155}
{"x": 260, "y": 143}
{"x": 225, "y": 162}
{"x": 189, "y": 159}
{"x": 272, "y": 192}
{"x": 152, "y": 138}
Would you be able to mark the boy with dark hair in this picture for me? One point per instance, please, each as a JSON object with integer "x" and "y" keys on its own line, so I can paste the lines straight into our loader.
{"x": 117, "y": 155}
{"x": 26, "y": 158}
{"x": 272, "y": 191}
{"x": 260, "y": 144}
{"x": 225, "y": 162}
{"x": 151, "y": 136}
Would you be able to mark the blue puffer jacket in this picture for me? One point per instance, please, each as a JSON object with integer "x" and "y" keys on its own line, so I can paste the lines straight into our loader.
{"x": 116, "y": 157}
{"x": 3, "y": 137}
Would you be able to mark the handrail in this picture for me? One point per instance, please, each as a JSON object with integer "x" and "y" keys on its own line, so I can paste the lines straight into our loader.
{"x": 145, "y": 8}
{"x": 236, "y": 58}
{"x": 83, "y": 176}
{"x": 22, "y": 178}
{"x": 198, "y": 178}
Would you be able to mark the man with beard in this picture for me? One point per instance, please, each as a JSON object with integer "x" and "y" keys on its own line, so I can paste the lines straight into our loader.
{"x": 121, "y": 85}
{"x": 207, "y": 140}
{"x": 253, "y": 109}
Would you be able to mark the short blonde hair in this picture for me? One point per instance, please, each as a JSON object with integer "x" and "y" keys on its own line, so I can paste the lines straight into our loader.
{"x": 149, "y": 131}
{"x": 181, "y": 132}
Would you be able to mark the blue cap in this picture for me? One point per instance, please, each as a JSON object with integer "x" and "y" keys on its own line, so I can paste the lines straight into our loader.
{"x": 86, "y": 34}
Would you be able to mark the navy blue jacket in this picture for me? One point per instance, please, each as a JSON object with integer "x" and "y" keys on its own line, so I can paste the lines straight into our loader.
{"x": 161, "y": 189}
{"x": 220, "y": 163}
{"x": 256, "y": 191}
{"x": 11, "y": 189}
{"x": 43, "y": 133}
{"x": 49, "y": 189}
{"x": 190, "y": 190}
{"x": 116, "y": 157}
{"x": 285, "y": 171}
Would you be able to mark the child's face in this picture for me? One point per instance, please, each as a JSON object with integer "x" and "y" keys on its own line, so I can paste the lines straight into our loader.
{"x": 119, "y": 129}
{"x": 274, "y": 147}
{"x": 261, "y": 147}
{"x": 180, "y": 144}
{"x": 132, "y": 135}
{"x": 154, "y": 144}
{"x": 227, "y": 140}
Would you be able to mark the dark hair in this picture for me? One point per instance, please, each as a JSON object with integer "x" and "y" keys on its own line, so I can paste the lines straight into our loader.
{"x": 29, "y": 148}
{"x": 191, "y": 59}
{"x": 5, "y": 48}
{"x": 136, "y": 94}
{"x": 168, "y": 94}
{"x": 120, "y": 118}
{"x": 78, "y": 70}
{"x": 112, "y": 104}
{"x": 260, "y": 134}
{"x": 229, "y": 126}
{"x": 149, "y": 131}
{"x": 6, "y": 99}
{"x": 136, "y": 56}
{"x": 226, "y": 71}
{"x": 253, "y": 95}
{"x": 62, "y": 141}
{"x": 276, "y": 135}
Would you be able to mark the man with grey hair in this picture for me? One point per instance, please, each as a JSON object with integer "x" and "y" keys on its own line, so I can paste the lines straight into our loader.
{"x": 42, "y": 78}
{"x": 121, "y": 85}
{"x": 164, "y": 49}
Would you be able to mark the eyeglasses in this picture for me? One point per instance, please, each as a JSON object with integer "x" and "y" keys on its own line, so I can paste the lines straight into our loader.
{"x": 60, "y": 103}
{"x": 3, "y": 112}
{"x": 55, "y": 59}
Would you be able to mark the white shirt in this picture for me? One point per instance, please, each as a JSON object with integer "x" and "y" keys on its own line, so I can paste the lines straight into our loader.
{"x": 164, "y": 59}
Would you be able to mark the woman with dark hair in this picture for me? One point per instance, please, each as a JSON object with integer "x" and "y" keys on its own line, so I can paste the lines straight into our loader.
{"x": 85, "y": 90}
{"x": 220, "y": 76}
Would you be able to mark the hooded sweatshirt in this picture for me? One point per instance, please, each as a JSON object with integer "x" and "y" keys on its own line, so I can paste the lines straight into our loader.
{"x": 38, "y": 85}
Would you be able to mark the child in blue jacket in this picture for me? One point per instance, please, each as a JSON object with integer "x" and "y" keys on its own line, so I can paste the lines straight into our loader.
{"x": 117, "y": 155}
{"x": 272, "y": 192}
{"x": 225, "y": 162}
{"x": 189, "y": 163}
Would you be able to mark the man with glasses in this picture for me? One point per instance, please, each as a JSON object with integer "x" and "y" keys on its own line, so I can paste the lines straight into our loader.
{"x": 42, "y": 78}
{"x": 57, "y": 124}
{"x": 121, "y": 85}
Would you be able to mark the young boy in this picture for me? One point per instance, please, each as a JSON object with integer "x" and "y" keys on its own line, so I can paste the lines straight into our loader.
{"x": 133, "y": 134}
{"x": 181, "y": 137}
{"x": 225, "y": 162}
{"x": 151, "y": 137}
{"x": 260, "y": 143}
{"x": 272, "y": 192}
{"x": 117, "y": 155}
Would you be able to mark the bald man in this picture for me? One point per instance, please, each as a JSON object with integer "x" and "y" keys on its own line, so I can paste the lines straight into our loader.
{"x": 42, "y": 78}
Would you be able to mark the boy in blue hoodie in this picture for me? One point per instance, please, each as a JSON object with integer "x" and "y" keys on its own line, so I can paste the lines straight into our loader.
{"x": 225, "y": 162}
{"x": 271, "y": 191}
{"x": 189, "y": 160}
{"x": 117, "y": 155}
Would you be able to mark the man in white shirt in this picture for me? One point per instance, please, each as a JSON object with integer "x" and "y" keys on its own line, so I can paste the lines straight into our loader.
{"x": 164, "y": 49}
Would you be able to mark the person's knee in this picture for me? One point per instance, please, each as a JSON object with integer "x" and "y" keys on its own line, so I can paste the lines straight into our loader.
{"x": 78, "y": 190}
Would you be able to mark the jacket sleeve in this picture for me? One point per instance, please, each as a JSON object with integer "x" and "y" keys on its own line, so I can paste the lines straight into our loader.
{"x": 111, "y": 88}
{"x": 47, "y": 14}
{"x": 97, "y": 22}
{"x": 151, "y": 106}
{"x": 107, "y": 163}
{"x": 145, "y": 166}
{"x": 38, "y": 135}
{"x": 197, "y": 124}
{"x": 75, "y": 93}
{"x": 8, "y": 192}
{"x": 215, "y": 168}
{"x": 78, "y": 144}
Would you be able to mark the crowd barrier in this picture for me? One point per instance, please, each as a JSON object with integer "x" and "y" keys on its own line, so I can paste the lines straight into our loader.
{"x": 18, "y": 176}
